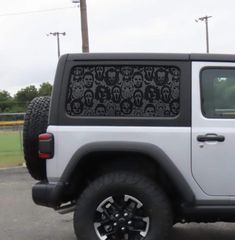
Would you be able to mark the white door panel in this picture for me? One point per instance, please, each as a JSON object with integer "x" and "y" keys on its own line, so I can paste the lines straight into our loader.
{"x": 213, "y": 163}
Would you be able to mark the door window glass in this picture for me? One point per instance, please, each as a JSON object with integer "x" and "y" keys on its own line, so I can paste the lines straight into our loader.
{"x": 218, "y": 92}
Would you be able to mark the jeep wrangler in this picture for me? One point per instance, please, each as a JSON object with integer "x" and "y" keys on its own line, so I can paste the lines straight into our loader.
{"x": 134, "y": 143}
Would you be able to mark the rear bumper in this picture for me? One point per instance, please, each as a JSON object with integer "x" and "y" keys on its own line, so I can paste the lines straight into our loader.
{"x": 47, "y": 194}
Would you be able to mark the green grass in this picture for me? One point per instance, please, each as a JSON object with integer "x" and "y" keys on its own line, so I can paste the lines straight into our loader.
{"x": 10, "y": 149}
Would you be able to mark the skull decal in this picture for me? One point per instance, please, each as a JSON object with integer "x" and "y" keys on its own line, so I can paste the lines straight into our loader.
{"x": 116, "y": 94}
{"x": 126, "y": 106}
{"x": 78, "y": 71}
{"x": 160, "y": 109}
{"x": 111, "y": 109}
{"x": 138, "y": 98}
{"x": 102, "y": 93}
{"x": 100, "y": 110}
{"x": 127, "y": 89}
{"x": 88, "y": 112}
{"x": 99, "y": 73}
{"x": 77, "y": 89}
{"x": 151, "y": 93}
{"x": 175, "y": 73}
{"x": 148, "y": 74}
{"x": 77, "y": 106}
{"x": 175, "y": 91}
{"x": 165, "y": 93}
{"x": 111, "y": 77}
{"x": 175, "y": 107}
{"x": 127, "y": 72}
{"x": 161, "y": 77}
{"x": 88, "y": 80}
{"x": 149, "y": 110}
{"x": 88, "y": 97}
{"x": 138, "y": 79}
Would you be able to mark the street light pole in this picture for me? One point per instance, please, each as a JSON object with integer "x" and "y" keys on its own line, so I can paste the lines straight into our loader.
{"x": 84, "y": 24}
{"x": 57, "y": 34}
{"x": 207, "y": 31}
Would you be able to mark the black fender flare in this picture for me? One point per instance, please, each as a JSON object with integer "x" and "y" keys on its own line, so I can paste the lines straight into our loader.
{"x": 148, "y": 149}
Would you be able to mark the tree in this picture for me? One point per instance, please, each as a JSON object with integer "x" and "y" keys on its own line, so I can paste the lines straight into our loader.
{"x": 5, "y": 100}
{"x": 25, "y": 95}
{"x": 45, "y": 89}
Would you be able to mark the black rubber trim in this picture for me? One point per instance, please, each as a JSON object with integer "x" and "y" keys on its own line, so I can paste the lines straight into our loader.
{"x": 140, "y": 148}
{"x": 56, "y": 90}
{"x": 154, "y": 56}
{"x": 48, "y": 195}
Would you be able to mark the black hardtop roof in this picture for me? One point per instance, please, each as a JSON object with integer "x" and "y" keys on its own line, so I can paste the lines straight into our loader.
{"x": 152, "y": 56}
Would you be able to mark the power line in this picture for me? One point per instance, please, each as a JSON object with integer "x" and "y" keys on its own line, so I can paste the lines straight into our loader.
{"x": 34, "y": 11}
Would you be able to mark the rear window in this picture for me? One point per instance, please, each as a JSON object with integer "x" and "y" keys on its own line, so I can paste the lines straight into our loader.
{"x": 124, "y": 91}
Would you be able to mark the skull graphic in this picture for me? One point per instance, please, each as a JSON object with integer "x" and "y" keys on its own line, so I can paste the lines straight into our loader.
{"x": 151, "y": 93}
{"x": 100, "y": 110}
{"x": 161, "y": 77}
{"x": 88, "y": 112}
{"x": 127, "y": 72}
{"x": 126, "y": 106}
{"x": 165, "y": 93}
{"x": 111, "y": 77}
{"x": 78, "y": 71}
{"x": 137, "y": 79}
{"x": 175, "y": 91}
{"x": 127, "y": 89}
{"x": 88, "y": 80}
{"x": 148, "y": 73}
{"x": 102, "y": 93}
{"x": 77, "y": 89}
{"x": 77, "y": 106}
{"x": 116, "y": 94}
{"x": 175, "y": 107}
{"x": 99, "y": 73}
{"x": 111, "y": 108}
{"x": 88, "y": 96}
{"x": 149, "y": 110}
{"x": 160, "y": 108}
{"x": 175, "y": 73}
{"x": 138, "y": 98}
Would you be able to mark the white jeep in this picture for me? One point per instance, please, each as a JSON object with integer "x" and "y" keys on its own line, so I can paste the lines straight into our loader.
{"x": 135, "y": 143}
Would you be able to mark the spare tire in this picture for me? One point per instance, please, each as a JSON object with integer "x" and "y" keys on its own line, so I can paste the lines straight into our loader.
{"x": 35, "y": 123}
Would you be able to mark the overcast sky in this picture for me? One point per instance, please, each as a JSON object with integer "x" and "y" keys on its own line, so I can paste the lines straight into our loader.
{"x": 28, "y": 56}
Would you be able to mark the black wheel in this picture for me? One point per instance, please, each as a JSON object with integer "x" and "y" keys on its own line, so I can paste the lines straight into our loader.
{"x": 120, "y": 206}
{"x": 35, "y": 123}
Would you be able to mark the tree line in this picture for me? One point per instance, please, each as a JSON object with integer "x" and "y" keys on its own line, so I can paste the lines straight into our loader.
{"x": 19, "y": 102}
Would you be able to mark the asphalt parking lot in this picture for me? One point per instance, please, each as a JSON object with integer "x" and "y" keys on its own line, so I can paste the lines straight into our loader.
{"x": 21, "y": 219}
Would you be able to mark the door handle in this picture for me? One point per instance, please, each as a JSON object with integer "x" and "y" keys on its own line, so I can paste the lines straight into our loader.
{"x": 210, "y": 137}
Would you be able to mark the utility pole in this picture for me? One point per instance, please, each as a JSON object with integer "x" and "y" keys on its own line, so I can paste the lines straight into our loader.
{"x": 57, "y": 34}
{"x": 84, "y": 25}
{"x": 205, "y": 19}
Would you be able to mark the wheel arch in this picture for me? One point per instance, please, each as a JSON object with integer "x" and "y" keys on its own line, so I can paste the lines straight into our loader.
{"x": 155, "y": 156}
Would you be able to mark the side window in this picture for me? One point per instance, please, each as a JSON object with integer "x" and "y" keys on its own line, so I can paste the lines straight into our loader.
{"x": 124, "y": 91}
{"x": 218, "y": 92}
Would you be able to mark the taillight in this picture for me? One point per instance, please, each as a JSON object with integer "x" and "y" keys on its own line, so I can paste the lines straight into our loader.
{"x": 46, "y": 146}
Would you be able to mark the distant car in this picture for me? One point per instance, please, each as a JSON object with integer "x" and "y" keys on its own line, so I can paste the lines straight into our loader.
{"x": 135, "y": 143}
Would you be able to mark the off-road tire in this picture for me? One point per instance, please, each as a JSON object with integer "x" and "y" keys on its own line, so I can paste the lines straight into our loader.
{"x": 35, "y": 123}
{"x": 136, "y": 185}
